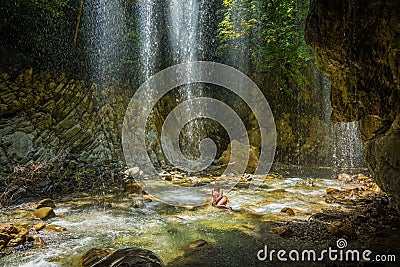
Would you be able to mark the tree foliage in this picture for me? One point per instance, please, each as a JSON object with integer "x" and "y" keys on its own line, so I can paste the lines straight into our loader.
{"x": 268, "y": 34}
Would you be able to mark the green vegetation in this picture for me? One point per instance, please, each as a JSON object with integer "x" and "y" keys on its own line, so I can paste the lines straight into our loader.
{"x": 268, "y": 34}
{"x": 265, "y": 39}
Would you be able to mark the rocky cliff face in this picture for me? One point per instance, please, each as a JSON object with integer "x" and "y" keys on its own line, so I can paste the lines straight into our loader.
{"x": 357, "y": 44}
{"x": 44, "y": 116}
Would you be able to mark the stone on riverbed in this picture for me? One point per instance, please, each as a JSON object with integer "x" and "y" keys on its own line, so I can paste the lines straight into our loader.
{"x": 39, "y": 226}
{"x": 55, "y": 228}
{"x": 45, "y": 203}
{"x": 138, "y": 204}
{"x": 44, "y": 213}
{"x": 288, "y": 211}
{"x": 197, "y": 243}
{"x": 283, "y": 231}
{"x": 127, "y": 257}
{"x": 331, "y": 190}
{"x": 134, "y": 172}
{"x": 94, "y": 255}
{"x": 134, "y": 188}
{"x": 12, "y": 235}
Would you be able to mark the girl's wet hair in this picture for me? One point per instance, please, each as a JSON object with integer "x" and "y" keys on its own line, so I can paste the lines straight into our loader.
{"x": 217, "y": 187}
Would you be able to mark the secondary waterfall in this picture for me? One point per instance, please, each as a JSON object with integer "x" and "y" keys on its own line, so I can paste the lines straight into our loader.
{"x": 346, "y": 144}
{"x": 348, "y": 148}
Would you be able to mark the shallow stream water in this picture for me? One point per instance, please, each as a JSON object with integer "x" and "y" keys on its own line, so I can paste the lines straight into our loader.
{"x": 164, "y": 229}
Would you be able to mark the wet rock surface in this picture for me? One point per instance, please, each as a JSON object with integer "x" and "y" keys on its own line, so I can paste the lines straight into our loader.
{"x": 364, "y": 69}
{"x": 52, "y": 126}
{"x": 12, "y": 235}
{"x": 44, "y": 213}
{"x": 129, "y": 257}
{"x": 94, "y": 255}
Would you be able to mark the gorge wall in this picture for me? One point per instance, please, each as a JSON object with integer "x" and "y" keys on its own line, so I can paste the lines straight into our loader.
{"x": 357, "y": 44}
{"x": 46, "y": 116}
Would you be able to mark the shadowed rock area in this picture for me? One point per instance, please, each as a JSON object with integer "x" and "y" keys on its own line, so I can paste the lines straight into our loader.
{"x": 357, "y": 44}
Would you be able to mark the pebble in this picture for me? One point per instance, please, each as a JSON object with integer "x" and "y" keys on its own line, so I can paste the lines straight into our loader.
{"x": 197, "y": 243}
{"x": 288, "y": 211}
{"x": 283, "y": 231}
{"x": 55, "y": 228}
{"x": 39, "y": 226}
{"x": 332, "y": 190}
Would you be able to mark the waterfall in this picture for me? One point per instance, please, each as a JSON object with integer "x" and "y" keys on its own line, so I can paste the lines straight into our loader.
{"x": 186, "y": 45}
{"x": 184, "y": 35}
{"x": 106, "y": 21}
{"x": 348, "y": 148}
{"x": 148, "y": 37}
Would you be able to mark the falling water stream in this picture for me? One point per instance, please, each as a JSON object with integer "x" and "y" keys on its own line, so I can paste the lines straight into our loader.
{"x": 186, "y": 45}
{"x": 348, "y": 147}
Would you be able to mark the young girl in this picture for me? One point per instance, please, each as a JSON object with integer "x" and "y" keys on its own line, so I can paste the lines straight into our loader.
{"x": 218, "y": 198}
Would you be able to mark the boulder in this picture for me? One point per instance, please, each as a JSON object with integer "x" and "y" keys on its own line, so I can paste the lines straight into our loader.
{"x": 288, "y": 211}
{"x": 39, "y": 226}
{"x": 197, "y": 243}
{"x": 55, "y": 228}
{"x": 283, "y": 231}
{"x": 44, "y": 213}
{"x": 134, "y": 172}
{"x": 128, "y": 257}
{"x": 12, "y": 235}
{"x": 94, "y": 255}
{"x": 45, "y": 203}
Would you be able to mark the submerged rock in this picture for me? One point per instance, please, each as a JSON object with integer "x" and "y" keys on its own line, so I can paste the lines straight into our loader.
{"x": 128, "y": 257}
{"x": 94, "y": 255}
{"x": 55, "y": 228}
{"x": 39, "y": 226}
{"x": 138, "y": 204}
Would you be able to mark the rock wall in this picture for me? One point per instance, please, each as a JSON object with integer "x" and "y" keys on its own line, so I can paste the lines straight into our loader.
{"x": 357, "y": 44}
{"x": 45, "y": 115}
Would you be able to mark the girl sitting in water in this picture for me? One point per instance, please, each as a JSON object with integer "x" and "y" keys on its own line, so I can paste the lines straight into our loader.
{"x": 218, "y": 198}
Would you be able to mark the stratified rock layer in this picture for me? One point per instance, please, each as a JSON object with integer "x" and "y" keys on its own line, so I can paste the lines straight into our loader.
{"x": 45, "y": 116}
{"x": 357, "y": 44}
